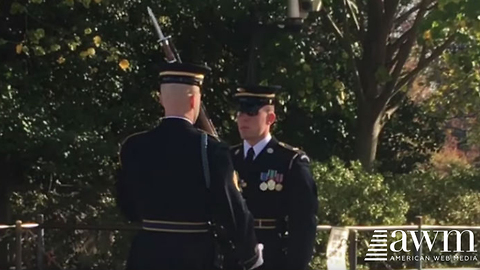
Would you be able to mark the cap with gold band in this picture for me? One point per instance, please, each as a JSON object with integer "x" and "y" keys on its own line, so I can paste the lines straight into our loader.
{"x": 183, "y": 73}
{"x": 250, "y": 98}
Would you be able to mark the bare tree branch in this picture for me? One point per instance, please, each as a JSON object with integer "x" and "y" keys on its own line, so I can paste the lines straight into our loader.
{"x": 353, "y": 15}
{"x": 390, "y": 10}
{"x": 362, "y": 28}
{"x": 356, "y": 74}
{"x": 361, "y": 9}
{"x": 400, "y": 59}
{"x": 423, "y": 64}
{"x": 348, "y": 46}
{"x": 345, "y": 22}
{"x": 423, "y": 53}
{"x": 346, "y": 42}
{"x": 374, "y": 46}
{"x": 397, "y": 100}
{"x": 336, "y": 30}
{"x": 403, "y": 54}
{"x": 394, "y": 107}
{"x": 392, "y": 48}
{"x": 402, "y": 18}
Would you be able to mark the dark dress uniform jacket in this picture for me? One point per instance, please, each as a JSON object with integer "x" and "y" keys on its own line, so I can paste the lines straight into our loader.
{"x": 278, "y": 186}
{"x": 161, "y": 178}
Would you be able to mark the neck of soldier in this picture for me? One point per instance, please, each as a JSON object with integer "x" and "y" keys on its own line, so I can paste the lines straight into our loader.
{"x": 190, "y": 115}
{"x": 254, "y": 141}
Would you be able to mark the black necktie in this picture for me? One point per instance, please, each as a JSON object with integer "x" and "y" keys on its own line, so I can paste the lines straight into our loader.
{"x": 250, "y": 154}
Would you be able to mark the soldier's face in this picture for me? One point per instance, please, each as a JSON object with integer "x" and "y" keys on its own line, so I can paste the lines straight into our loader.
{"x": 252, "y": 127}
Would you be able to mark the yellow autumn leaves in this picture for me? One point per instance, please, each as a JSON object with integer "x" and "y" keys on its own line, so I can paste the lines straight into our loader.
{"x": 19, "y": 48}
{"x": 97, "y": 40}
{"x": 90, "y": 52}
{"x": 124, "y": 64}
{"x": 460, "y": 24}
{"x": 427, "y": 35}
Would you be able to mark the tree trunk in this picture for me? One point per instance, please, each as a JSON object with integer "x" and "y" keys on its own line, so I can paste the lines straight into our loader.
{"x": 5, "y": 218}
{"x": 369, "y": 126}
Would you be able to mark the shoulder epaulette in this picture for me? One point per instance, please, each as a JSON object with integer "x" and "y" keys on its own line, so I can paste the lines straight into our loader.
{"x": 126, "y": 139}
{"x": 133, "y": 135}
{"x": 298, "y": 153}
{"x": 289, "y": 147}
{"x": 235, "y": 146}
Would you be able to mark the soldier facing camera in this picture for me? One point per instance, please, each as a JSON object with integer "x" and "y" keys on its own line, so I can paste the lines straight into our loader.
{"x": 276, "y": 182}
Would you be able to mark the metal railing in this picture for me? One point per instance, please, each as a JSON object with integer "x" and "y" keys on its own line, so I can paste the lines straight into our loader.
{"x": 40, "y": 226}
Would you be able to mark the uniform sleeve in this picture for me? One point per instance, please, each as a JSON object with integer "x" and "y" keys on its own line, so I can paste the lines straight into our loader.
{"x": 302, "y": 208}
{"x": 231, "y": 210}
{"x": 126, "y": 189}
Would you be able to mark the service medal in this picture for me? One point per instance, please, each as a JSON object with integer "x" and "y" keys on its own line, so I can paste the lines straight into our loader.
{"x": 271, "y": 184}
{"x": 263, "y": 186}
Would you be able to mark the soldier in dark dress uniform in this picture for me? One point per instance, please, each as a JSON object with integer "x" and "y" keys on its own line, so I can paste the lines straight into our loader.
{"x": 276, "y": 182}
{"x": 161, "y": 184}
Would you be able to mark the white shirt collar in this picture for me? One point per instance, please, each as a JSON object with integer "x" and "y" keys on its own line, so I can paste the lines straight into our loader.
{"x": 257, "y": 148}
{"x": 179, "y": 117}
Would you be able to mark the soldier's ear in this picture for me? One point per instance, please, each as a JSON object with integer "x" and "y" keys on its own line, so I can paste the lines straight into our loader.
{"x": 191, "y": 98}
{"x": 159, "y": 97}
{"x": 271, "y": 117}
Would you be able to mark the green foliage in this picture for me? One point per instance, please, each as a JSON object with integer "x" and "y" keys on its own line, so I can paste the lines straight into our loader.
{"x": 442, "y": 197}
{"x": 456, "y": 76}
{"x": 404, "y": 146}
{"x": 75, "y": 249}
{"x": 457, "y": 88}
{"x": 388, "y": 44}
{"x": 348, "y": 195}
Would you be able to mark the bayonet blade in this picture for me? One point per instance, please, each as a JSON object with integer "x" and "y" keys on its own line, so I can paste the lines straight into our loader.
{"x": 155, "y": 24}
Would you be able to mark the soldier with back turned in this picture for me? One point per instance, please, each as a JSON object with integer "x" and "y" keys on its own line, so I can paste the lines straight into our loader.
{"x": 162, "y": 185}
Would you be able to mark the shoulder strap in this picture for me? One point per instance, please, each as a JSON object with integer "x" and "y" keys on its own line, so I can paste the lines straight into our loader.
{"x": 206, "y": 170}
{"x": 223, "y": 243}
